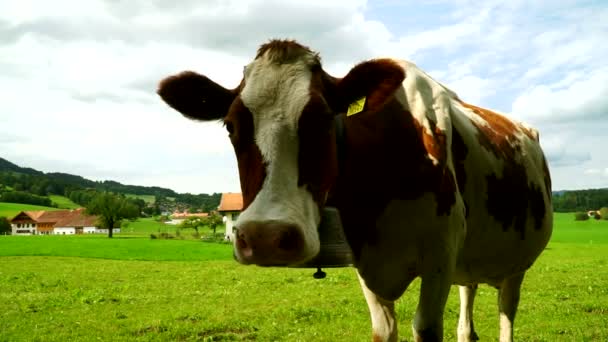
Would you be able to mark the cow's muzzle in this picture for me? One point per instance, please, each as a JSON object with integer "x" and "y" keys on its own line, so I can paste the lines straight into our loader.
{"x": 269, "y": 243}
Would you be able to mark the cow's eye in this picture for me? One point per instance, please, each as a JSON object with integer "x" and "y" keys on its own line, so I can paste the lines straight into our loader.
{"x": 230, "y": 127}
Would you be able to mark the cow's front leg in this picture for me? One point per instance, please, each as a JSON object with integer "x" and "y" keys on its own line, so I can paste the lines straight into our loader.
{"x": 434, "y": 290}
{"x": 382, "y": 311}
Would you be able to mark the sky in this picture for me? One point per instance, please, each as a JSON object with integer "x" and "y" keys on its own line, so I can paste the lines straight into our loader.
{"x": 78, "y": 78}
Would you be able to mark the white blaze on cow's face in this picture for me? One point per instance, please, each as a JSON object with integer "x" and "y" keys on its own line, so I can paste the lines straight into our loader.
{"x": 280, "y": 225}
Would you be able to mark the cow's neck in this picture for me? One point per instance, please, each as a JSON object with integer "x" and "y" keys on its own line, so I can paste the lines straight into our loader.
{"x": 381, "y": 158}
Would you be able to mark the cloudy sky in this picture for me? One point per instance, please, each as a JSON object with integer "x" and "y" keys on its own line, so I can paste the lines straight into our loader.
{"x": 78, "y": 78}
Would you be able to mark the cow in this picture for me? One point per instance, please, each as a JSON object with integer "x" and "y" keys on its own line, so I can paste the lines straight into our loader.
{"x": 426, "y": 185}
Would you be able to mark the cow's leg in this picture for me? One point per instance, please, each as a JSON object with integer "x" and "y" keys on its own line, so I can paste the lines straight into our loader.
{"x": 428, "y": 322}
{"x": 508, "y": 298}
{"x": 466, "y": 328}
{"x": 382, "y": 311}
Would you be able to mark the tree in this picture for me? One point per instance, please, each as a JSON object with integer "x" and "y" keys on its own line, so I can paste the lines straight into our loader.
{"x": 192, "y": 222}
{"x": 5, "y": 226}
{"x": 112, "y": 209}
{"x": 213, "y": 221}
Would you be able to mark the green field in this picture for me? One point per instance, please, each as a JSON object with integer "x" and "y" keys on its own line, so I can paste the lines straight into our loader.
{"x": 63, "y": 202}
{"x": 137, "y": 289}
{"x": 9, "y": 210}
{"x": 146, "y": 198}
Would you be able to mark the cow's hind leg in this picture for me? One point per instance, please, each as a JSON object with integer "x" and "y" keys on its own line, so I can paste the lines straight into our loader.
{"x": 428, "y": 322}
{"x": 508, "y": 299}
{"x": 466, "y": 328}
{"x": 382, "y": 311}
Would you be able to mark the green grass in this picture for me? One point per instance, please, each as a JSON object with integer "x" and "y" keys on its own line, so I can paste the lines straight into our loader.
{"x": 146, "y": 198}
{"x": 188, "y": 293}
{"x": 121, "y": 248}
{"x": 63, "y": 202}
{"x": 568, "y": 230}
{"x": 9, "y": 210}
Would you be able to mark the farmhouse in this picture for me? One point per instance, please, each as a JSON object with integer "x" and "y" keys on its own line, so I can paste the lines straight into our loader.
{"x": 55, "y": 222}
{"x": 230, "y": 207}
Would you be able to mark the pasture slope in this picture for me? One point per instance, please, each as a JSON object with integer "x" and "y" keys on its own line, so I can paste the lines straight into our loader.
{"x": 137, "y": 289}
{"x": 9, "y": 210}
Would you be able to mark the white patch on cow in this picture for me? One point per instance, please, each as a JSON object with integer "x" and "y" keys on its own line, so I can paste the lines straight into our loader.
{"x": 276, "y": 95}
{"x": 427, "y": 100}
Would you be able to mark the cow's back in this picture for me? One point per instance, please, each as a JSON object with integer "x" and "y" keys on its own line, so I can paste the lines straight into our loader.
{"x": 504, "y": 181}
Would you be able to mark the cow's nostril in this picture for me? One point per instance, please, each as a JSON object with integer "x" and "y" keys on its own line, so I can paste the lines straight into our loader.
{"x": 241, "y": 243}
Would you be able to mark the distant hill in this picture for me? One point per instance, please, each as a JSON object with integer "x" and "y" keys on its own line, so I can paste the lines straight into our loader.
{"x": 5, "y": 165}
{"x": 14, "y": 177}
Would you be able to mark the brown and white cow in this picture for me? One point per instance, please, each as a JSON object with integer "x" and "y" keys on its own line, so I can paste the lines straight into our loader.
{"x": 426, "y": 185}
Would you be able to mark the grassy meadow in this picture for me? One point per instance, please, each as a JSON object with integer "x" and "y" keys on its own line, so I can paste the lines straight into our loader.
{"x": 9, "y": 210}
{"x": 63, "y": 202}
{"x": 132, "y": 288}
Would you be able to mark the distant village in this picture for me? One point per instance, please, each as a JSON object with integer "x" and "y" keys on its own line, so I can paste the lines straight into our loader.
{"x": 76, "y": 221}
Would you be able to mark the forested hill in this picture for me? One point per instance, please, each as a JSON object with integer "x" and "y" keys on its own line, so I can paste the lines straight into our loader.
{"x": 24, "y": 179}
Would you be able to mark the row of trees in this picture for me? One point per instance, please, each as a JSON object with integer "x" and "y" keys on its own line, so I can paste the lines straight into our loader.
{"x": 25, "y": 198}
{"x": 212, "y": 221}
{"x": 580, "y": 200}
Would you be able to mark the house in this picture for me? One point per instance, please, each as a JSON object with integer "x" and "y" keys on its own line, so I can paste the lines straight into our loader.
{"x": 57, "y": 222}
{"x": 231, "y": 205}
{"x": 24, "y": 223}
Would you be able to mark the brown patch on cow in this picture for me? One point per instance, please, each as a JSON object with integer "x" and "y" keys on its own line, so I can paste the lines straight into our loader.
{"x": 377, "y": 338}
{"x": 499, "y": 136}
{"x": 510, "y": 197}
{"x": 459, "y": 155}
{"x": 377, "y": 80}
{"x": 252, "y": 169}
{"x": 317, "y": 161}
{"x": 196, "y": 96}
{"x": 287, "y": 51}
{"x": 434, "y": 143}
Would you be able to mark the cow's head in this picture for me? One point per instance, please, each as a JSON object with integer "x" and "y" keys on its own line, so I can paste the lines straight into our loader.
{"x": 280, "y": 120}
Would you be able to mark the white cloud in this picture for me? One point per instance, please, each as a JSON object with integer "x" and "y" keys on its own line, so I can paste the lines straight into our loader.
{"x": 575, "y": 97}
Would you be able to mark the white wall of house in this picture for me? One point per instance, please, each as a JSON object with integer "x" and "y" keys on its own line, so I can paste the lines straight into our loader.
{"x": 64, "y": 230}
{"x": 23, "y": 229}
{"x": 229, "y": 219}
{"x": 89, "y": 230}
{"x": 105, "y": 230}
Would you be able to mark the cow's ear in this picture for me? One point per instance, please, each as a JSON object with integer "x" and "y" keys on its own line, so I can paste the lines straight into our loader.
{"x": 376, "y": 80}
{"x": 196, "y": 96}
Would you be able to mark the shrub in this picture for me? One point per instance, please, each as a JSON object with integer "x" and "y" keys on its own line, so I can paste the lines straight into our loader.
{"x": 604, "y": 213}
{"x": 153, "y": 236}
{"x": 581, "y": 216}
{"x": 596, "y": 216}
{"x": 5, "y": 226}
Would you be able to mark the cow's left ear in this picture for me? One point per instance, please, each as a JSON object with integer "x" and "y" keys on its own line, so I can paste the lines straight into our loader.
{"x": 196, "y": 96}
{"x": 376, "y": 80}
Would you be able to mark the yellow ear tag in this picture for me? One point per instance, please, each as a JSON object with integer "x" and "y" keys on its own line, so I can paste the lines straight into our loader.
{"x": 356, "y": 107}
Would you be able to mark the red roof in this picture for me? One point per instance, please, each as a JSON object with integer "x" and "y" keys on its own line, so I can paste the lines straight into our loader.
{"x": 62, "y": 218}
{"x": 77, "y": 218}
{"x": 231, "y": 202}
